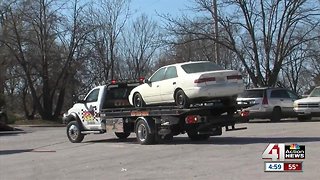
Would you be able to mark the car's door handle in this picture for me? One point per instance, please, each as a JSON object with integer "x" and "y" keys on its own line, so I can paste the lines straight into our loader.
{"x": 157, "y": 85}
{"x": 174, "y": 83}
{"x": 281, "y": 99}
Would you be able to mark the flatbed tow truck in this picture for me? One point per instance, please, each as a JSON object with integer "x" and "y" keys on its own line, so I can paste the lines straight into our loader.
{"x": 107, "y": 109}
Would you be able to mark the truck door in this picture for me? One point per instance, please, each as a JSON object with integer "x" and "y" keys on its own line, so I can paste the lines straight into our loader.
{"x": 90, "y": 109}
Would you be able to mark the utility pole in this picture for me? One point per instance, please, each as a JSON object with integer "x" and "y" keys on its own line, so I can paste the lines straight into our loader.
{"x": 216, "y": 30}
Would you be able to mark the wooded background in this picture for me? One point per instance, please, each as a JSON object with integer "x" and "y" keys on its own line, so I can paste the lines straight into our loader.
{"x": 52, "y": 51}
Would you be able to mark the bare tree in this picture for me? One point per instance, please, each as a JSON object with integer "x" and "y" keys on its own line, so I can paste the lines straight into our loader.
{"x": 110, "y": 16}
{"x": 45, "y": 60}
{"x": 261, "y": 33}
{"x": 141, "y": 40}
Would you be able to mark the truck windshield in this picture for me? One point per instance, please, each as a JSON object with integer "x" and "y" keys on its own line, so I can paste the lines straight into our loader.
{"x": 315, "y": 92}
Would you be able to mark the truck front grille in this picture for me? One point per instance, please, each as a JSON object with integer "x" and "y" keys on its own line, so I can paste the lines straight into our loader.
{"x": 308, "y": 105}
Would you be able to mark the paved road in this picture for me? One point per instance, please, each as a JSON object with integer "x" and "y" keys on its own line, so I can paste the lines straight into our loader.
{"x": 45, "y": 153}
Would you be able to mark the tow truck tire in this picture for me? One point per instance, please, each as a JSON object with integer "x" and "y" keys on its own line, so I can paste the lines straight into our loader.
{"x": 138, "y": 101}
{"x": 74, "y": 132}
{"x": 181, "y": 99}
{"x": 144, "y": 136}
{"x": 198, "y": 137}
{"x": 122, "y": 135}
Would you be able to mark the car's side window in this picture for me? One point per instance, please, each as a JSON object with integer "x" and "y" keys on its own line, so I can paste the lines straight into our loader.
{"x": 93, "y": 96}
{"x": 171, "y": 73}
{"x": 158, "y": 76}
{"x": 279, "y": 94}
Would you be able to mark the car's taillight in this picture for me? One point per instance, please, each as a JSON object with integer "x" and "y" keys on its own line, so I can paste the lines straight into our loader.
{"x": 234, "y": 77}
{"x": 265, "y": 100}
{"x": 244, "y": 113}
{"x": 192, "y": 119}
{"x": 202, "y": 80}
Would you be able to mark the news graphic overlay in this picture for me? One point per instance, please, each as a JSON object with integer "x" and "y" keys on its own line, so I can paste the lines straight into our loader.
{"x": 281, "y": 157}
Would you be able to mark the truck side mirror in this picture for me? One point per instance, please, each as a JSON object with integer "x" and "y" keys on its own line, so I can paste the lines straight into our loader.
{"x": 81, "y": 99}
{"x": 146, "y": 81}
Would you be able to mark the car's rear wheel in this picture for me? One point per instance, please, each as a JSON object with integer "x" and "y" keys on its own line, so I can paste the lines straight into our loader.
{"x": 276, "y": 114}
{"x": 181, "y": 99}
{"x": 138, "y": 101}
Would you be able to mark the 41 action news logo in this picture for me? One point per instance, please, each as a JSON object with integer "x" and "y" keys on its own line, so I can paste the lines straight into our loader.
{"x": 280, "y": 152}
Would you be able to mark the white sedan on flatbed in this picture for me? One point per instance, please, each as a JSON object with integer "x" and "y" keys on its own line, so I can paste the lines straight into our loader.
{"x": 188, "y": 83}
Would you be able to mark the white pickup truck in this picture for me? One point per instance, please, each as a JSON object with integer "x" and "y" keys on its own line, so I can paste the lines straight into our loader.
{"x": 308, "y": 107}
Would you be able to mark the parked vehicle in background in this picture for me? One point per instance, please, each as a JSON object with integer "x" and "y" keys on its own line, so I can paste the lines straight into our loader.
{"x": 188, "y": 83}
{"x": 268, "y": 103}
{"x": 308, "y": 107}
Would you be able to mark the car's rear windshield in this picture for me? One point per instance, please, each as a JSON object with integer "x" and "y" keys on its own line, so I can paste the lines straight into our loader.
{"x": 315, "y": 92}
{"x": 252, "y": 94}
{"x": 200, "y": 67}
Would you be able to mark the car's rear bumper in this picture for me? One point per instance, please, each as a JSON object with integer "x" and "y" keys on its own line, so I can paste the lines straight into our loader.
{"x": 215, "y": 90}
{"x": 266, "y": 113}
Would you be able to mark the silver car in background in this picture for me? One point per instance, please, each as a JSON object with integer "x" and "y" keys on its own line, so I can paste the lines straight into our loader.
{"x": 268, "y": 103}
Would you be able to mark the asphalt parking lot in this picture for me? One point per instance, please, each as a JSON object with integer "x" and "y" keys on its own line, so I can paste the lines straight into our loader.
{"x": 45, "y": 153}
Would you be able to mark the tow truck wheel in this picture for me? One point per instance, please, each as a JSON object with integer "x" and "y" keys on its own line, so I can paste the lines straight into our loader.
{"x": 137, "y": 100}
{"x": 198, "y": 137}
{"x": 144, "y": 136}
{"x": 122, "y": 135}
{"x": 74, "y": 132}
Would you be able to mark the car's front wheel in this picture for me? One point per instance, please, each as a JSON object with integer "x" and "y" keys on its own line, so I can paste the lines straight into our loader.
{"x": 181, "y": 99}
{"x": 137, "y": 100}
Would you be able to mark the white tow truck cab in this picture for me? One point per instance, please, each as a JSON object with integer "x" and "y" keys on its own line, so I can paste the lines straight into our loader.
{"x": 107, "y": 109}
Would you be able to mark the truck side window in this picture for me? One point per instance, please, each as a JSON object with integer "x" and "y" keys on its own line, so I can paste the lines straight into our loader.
{"x": 93, "y": 96}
